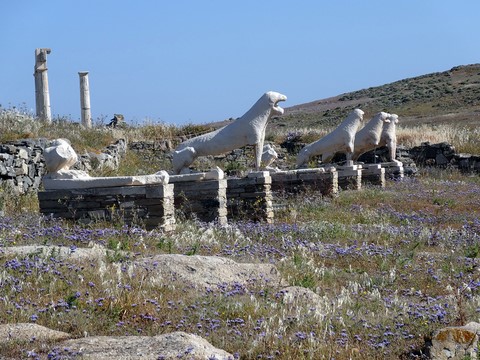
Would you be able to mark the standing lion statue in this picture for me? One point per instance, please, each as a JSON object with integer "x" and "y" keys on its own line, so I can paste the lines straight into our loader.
{"x": 246, "y": 130}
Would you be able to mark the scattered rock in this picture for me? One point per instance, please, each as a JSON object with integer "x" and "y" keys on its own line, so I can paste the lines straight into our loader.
{"x": 96, "y": 252}
{"x": 294, "y": 294}
{"x": 177, "y": 345}
{"x": 27, "y": 332}
{"x": 205, "y": 271}
{"x": 455, "y": 343}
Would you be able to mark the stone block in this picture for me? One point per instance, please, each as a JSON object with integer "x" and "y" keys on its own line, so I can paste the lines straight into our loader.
{"x": 22, "y": 169}
{"x": 350, "y": 177}
{"x": 373, "y": 174}
{"x": 393, "y": 170}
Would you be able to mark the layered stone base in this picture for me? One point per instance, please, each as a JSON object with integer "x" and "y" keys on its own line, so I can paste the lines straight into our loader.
{"x": 350, "y": 176}
{"x": 373, "y": 174}
{"x": 320, "y": 180}
{"x": 393, "y": 170}
{"x": 201, "y": 196}
{"x": 250, "y": 198}
{"x": 148, "y": 205}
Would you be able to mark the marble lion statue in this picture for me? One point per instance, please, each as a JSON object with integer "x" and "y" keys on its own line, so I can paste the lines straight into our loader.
{"x": 246, "y": 130}
{"x": 368, "y": 138}
{"x": 388, "y": 137}
{"x": 340, "y": 140}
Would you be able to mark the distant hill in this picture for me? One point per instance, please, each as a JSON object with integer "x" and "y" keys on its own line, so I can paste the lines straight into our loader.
{"x": 451, "y": 96}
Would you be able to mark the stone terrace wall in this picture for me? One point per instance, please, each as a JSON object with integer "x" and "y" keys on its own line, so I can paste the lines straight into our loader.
{"x": 444, "y": 155}
{"x": 441, "y": 155}
{"x": 22, "y": 165}
{"x": 150, "y": 204}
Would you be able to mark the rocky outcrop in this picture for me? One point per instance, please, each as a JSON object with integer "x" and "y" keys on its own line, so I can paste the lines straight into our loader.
{"x": 26, "y": 332}
{"x": 208, "y": 271}
{"x": 96, "y": 252}
{"x": 177, "y": 345}
{"x": 215, "y": 273}
{"x": 196, "y": 271}
{"x": 456, "y": 342}
{"x": 60, "y": 345}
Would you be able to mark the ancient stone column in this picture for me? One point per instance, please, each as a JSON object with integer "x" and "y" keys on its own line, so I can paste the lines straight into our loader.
{"x": 42, "y": 96}
{"x": 85, "y": 99}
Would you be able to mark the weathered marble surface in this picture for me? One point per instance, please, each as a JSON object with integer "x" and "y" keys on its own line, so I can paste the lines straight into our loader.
{"x": 340, "y": 140}
{"x": 246, "y": 130}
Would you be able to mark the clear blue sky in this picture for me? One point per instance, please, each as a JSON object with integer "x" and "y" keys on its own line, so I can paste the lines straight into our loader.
{"x": 196, "y": 61}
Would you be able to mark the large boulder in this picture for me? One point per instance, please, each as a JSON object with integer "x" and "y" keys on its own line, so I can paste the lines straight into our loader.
{"x": 208, "y": 271}
{"x": 177, "y": 345}
{"x": 26, "y": 332}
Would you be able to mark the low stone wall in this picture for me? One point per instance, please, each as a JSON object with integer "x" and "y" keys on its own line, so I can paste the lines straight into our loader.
{"x": 444, "y": 155}
{"x": 321, "y": 180}
{"x": 373, "y": 174}
{"x": 150, "y": 205}
{"x": 208, "y": 197}
{"x": 205, "y": 200}
{"x": 22, "y": 165}
{"x": 349, "y": 177}
{"x": 250, "y": 197}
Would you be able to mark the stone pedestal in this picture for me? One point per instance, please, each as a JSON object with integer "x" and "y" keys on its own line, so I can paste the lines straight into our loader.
{"x": 393, "y": 170}
{"x": 373, "y": 174}
{"x": 350, "y": 176}
{"x": 150, "y": 205}
{"x": 201, "y": 196}
{"x": 321, "y": 180}
{"x": 250, "y": 198}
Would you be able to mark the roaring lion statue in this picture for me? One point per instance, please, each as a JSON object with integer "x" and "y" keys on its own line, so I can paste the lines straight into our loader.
{"x": 247, "y": 130}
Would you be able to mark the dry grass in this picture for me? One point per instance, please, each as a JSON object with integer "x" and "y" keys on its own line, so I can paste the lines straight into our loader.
{"x": 388, "y": 267}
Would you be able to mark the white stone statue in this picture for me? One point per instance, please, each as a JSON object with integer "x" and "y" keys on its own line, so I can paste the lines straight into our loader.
{"x": 339, "y": 140}
{"x": 388, "y": 137}
{"x": 269, "y": 155}
{"x": 368, "y": 138}
{"x": 247, "y": 130}
{"x": 60, "y": 156}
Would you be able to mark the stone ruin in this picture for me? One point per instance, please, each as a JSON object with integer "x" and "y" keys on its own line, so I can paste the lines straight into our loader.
{"x": 209, "y": 196}
{"x": 154, "y": 200}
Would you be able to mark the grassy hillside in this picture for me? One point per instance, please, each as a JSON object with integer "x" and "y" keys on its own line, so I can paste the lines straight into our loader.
{"x": 449, "y": 97}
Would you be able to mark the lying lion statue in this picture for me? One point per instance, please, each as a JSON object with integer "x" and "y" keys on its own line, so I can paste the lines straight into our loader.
{"x": 247, "y": 130}
{"x": 340, "y": 140}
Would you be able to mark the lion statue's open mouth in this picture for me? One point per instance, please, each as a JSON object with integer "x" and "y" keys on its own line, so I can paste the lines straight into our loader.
{"x": 277, "y": 97}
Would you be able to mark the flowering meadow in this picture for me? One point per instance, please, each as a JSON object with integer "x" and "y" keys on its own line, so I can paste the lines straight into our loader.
{"x": 383, "y": 268}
